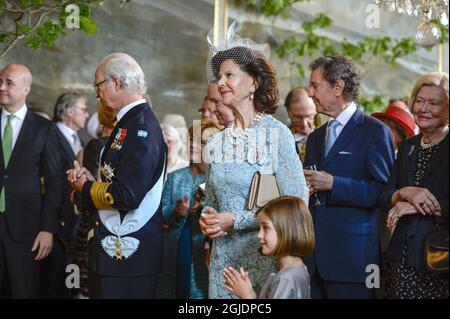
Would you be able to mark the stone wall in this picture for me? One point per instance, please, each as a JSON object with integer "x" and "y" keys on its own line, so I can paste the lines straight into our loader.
{"x": 168, "y": 39}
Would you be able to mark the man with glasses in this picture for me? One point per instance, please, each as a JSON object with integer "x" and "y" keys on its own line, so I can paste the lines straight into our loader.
{"x": 125, "y": 252}
{"x": 70, "y": 115}
{"x": 302, "y": 111}
{"x": 28, "y": 207}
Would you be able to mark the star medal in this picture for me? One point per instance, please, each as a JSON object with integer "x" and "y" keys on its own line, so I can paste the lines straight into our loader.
{"x": 118, "y": 252}
{"x": 108, "y": 172}
{"x": 119, "y": 138}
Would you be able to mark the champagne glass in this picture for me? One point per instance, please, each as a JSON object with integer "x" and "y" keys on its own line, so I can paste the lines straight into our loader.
{"x": 316, "y": 200}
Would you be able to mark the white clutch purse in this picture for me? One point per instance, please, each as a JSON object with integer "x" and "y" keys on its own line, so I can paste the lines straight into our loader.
{"x": 263, "y": 189}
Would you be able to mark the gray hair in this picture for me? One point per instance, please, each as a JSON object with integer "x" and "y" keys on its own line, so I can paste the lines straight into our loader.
{"x": 123, "y": 67}
{"x": 336, "y": 68}
{"x": 63, "y": 103}
{"x": 172, "y": 134}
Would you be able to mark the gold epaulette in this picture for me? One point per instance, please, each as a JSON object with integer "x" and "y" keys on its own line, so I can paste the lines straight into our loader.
{"x": 100, "y": 196}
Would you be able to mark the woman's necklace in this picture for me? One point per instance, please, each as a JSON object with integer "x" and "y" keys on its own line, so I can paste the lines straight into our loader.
{"x": 238, "y": 135}
{"x": 436, "y": 141}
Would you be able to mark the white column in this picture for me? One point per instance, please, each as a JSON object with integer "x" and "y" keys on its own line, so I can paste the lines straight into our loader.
{"x": 220, "y": 20}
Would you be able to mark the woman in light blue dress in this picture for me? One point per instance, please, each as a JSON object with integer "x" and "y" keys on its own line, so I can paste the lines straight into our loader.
{"x": 254, "y": 142}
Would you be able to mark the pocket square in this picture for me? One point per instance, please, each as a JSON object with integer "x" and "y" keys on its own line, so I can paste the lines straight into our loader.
{"x": 345, "y": 153}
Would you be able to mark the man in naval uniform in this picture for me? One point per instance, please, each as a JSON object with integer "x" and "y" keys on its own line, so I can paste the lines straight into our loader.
{"x": 126, "y": 248}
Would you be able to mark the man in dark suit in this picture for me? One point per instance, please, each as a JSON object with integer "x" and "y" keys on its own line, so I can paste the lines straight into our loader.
{"x": 353, "y": 154}
{"x": 30, "y": 183}
{"x": 126, "y": 251}
{"x": 70, "y": 115}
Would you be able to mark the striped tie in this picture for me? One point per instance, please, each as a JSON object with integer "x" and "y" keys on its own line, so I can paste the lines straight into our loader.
{"x": 331, "y": 135}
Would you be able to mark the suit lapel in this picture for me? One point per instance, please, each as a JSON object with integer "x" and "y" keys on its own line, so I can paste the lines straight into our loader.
{"x": 24, "y": 139}
{"x": 65, "y": 145}
{"x": 321, "y": 134}
{"x": 109, "y": 141}
{"x": 135, "y": 110}
{"x": 411, "y": 159}
{"x": 2, "y": 163}
{"x": 350, "y": 131}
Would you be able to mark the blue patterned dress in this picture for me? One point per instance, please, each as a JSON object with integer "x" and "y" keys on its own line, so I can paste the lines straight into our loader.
{"x": 269, "y": 148}
{"x": 178, "y": 184}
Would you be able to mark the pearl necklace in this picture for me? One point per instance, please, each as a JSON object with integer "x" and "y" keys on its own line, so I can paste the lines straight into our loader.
{"x": 241, "y": 135}
{"x": 436, "y": 141}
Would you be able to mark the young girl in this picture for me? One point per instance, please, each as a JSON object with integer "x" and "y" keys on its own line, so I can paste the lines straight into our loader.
{"x": 287, "y": 233}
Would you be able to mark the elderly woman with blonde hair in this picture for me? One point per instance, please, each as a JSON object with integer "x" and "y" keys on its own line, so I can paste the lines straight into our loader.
{"x": 416, "y": 194}
{"x": 172, "y": 138}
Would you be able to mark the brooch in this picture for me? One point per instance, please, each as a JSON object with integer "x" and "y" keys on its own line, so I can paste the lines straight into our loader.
{"x": 411, "y": 150}
{"x": 107, "y": 171}
{"x": 118, "y": 139}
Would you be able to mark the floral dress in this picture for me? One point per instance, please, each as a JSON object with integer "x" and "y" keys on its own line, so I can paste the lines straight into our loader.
{"x": 268, "y": 148}
{"x": 408, "y": 283}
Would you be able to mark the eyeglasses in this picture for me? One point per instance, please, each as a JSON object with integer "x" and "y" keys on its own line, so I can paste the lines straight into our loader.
{"x": 96, "y": 85}
{"x": 296, "y": 118}
{"x": 83, "y": 110}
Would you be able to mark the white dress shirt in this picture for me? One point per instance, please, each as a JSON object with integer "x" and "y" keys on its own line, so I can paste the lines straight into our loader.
{"x": 71, "y": 136}
{"x": 344, "y": 117}
{"x": 125, "y": 109}
{"x": 16, "y": 122}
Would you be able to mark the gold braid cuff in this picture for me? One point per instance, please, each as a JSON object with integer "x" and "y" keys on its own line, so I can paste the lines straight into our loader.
{"x": 100, "y": 196}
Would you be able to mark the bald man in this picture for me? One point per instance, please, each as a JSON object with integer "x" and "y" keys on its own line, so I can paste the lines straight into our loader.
{"x": 223, "y": 113}
{"x": 30, "y": 183}
{"x": 302, "y": 111}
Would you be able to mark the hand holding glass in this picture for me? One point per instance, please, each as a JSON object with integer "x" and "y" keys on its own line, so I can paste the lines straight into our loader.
{"x": 316, "y": 199}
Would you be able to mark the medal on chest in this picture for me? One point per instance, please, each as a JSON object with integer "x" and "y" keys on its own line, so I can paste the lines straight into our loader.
{"x": 118, "y": 252}
{"x": 107, "y": 172}
{"x": 118, "y": 139}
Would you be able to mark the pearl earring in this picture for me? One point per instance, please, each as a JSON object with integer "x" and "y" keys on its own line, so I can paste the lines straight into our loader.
{"x": 252, "y": 95}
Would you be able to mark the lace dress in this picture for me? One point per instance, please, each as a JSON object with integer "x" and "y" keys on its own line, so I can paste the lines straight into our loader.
{"x": 269, "y": 148}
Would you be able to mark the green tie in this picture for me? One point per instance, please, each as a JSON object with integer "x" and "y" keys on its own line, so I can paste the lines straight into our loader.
{"x": 7, "y": 150}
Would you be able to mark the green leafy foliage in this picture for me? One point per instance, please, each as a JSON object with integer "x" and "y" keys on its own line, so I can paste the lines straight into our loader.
{"x": 385, "y": 49}
{"x": 373, "y": 104}
{"x": 272, "y": 8}
{"x": 40, "y": 23}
